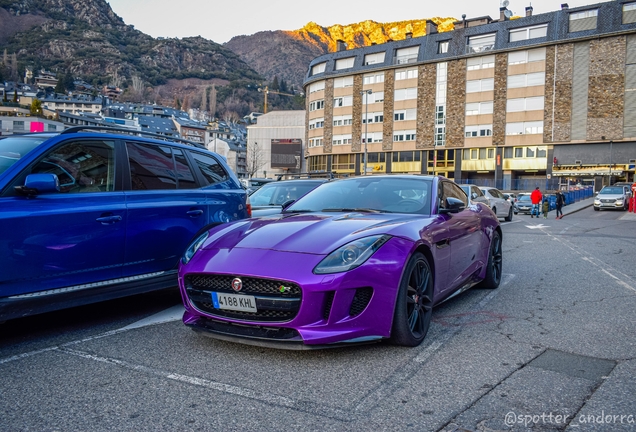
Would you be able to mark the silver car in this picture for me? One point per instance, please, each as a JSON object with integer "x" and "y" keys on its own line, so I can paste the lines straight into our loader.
{"x": 612, "y": 197}
{"x": 498, "y": 203}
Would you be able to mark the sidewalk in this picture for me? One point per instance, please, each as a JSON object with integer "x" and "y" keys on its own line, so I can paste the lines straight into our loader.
{"x": 589, "y": 202}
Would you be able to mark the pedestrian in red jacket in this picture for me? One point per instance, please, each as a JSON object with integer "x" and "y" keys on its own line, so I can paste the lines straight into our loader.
{"x": 536, "y": 199}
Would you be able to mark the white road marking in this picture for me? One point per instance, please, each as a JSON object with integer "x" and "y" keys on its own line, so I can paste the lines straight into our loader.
{"x": 225, "y": 388}
{"x": 540, "y": 226}
{"x": 171, "y": 314}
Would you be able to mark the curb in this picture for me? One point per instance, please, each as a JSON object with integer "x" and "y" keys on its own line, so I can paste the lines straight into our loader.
{"x": 578, "y": 209}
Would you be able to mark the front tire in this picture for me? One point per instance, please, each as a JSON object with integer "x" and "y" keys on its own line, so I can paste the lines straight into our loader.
{"x": 509, "y": 217}
{"x": 495, "y": 264}
{"x": 414, "y": 303}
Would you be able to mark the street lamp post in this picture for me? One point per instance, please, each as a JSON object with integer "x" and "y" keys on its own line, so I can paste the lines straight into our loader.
{"x": 365, "y": 94}
{"x": 610, "y": 166}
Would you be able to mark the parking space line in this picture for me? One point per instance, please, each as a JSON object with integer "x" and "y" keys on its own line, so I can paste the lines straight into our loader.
{"x": 171, "y": 314}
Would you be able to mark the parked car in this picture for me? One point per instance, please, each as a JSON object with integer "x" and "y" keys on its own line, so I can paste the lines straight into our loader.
{"x": 512, "y": 199}
{"x": 612, "y": 197}
{"x": 90, "y": 216}
{"x": 496, "y": 201}
{"x": 474, "y": 193}
{"x": 270, "y": 198}
{"x": 253, "y": 184}
{"x": 355, "y": 260}
{"x": 524, "y": 203}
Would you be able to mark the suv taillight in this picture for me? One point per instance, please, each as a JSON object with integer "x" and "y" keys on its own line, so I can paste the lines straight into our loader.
{"x": 249, "y": 207}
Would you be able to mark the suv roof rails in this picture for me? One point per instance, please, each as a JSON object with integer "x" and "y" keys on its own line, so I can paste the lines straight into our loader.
{"x": 294, "y": 176}
{"x": 75, "y": 129}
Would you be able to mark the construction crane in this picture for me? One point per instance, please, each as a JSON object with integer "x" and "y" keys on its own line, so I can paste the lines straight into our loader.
{"x": 267, "y": 91}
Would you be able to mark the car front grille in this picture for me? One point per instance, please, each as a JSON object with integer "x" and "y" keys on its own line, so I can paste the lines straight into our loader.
{"x": 276, "y": 301}
{"x": 608, "y": 201}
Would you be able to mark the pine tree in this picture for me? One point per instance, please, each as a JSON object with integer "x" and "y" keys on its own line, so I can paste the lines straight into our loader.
{"x": 275, "y": 85}
{"x": 15, "y": 96}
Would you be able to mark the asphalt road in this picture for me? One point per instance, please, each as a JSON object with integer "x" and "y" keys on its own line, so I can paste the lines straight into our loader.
{"x": 552, "y": 349}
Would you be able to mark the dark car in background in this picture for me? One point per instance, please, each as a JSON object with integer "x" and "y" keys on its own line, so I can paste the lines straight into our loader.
{"x": 524, "y": 203}
{"x": 91, "y": 215}
{"x": 270, "y": 198}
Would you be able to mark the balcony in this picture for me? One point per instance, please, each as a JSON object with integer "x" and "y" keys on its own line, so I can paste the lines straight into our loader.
{"x": 404, "y": 59}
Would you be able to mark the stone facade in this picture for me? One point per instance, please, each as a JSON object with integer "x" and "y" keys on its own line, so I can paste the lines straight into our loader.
{"x": 548, "y": 94}
{"x": 456, "y": 103}
{"x": 328, "y": 132}
{"x": 426, "y": 87}
{"x": 605, "y": 105}
{"x": 500, "y": 100}
{"x": 356, "y": 126}
{"x": 562, "y": 89}
{"x": 389, "y": 97}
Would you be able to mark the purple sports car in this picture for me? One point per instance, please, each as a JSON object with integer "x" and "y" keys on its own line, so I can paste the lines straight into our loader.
{"x": 355, "y": 260}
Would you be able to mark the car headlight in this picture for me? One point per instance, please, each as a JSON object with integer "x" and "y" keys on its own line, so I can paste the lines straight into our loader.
{"x": 194, "y": 247}
{"x": 351, "y": 255}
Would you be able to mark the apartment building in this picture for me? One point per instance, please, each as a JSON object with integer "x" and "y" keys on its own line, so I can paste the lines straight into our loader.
{"x": 546, "y": 98}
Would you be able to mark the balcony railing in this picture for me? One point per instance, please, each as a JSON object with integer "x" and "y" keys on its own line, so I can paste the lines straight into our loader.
{"x": 472, "y": 49}
{"x": 404, "y": 59}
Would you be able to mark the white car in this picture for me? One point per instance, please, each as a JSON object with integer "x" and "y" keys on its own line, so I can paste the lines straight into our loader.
{"x": 498, "y": 203}
{"x": 612, "y": 197}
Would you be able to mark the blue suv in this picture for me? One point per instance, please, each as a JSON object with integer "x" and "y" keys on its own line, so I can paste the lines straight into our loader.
{"x": 87, "y": 216}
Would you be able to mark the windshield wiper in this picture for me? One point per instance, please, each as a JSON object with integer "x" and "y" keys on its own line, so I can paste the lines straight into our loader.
{"x": 298, "y": 211}
{"x": 361, "y": 210}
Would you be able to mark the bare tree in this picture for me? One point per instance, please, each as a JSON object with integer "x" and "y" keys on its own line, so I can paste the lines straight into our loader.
{"x": 14, "y": 67}
{"x": 231, "y": 118}
{"x": 116, "y": 80}
{"x": 204, "y": 99}
{"x": 254, "y": 160}
{"x": 212, "y": 101}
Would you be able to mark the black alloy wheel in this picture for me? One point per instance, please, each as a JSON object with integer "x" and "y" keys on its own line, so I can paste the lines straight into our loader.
{"x": 414, "y": 305}
{"x": 495, "y": 264}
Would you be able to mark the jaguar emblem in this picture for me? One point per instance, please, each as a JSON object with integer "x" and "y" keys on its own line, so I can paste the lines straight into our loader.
{"x": 237, "y": 284}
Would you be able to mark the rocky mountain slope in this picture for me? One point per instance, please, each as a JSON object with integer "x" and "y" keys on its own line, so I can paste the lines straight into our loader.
{"x": 287, "y": 54}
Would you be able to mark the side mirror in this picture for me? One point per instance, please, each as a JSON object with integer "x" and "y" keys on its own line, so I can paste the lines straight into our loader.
{"x": 39, "y": 183}
{"x": 288, "y": 203}
{"x": 453, "y": 205}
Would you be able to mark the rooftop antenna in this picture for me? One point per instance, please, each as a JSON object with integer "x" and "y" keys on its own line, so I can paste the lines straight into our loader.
{"x": 505, "y": 3}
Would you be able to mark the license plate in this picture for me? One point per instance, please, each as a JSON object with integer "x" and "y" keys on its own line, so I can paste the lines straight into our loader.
{"x": 235, "y": 302}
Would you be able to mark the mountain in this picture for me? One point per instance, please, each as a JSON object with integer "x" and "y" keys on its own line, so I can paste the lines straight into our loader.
{"x": 286, "y": 54}
{"x": 87, "y": 39}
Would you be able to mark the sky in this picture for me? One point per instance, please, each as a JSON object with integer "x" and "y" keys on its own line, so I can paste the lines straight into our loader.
{"x": 220, "y": 20}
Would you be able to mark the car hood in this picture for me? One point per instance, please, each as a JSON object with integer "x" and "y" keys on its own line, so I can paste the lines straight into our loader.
{"x": 316, "y": 233}
{"x": 610, "y": 196}
{"x": 258, "y": 211}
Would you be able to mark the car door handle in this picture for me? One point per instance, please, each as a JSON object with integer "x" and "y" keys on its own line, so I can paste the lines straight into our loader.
{"x": 109, "y": 220}
{"x": 195, "y": 213}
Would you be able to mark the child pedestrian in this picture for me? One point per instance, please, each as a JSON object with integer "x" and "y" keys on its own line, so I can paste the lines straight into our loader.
{"x": 546, "y": 208}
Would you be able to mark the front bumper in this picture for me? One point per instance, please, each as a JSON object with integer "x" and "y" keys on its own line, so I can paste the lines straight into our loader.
{"x": 352, "y": 307}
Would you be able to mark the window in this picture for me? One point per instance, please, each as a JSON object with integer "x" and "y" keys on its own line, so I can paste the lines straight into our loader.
{"x": 525, "y": 104}
{"x": 317, "y": 105}
{"x": 405, "y": 135}
{"x": 18, "y": 125}
{"x": 373, "y": 78}
{"x": 402, "y": 74}
{"x": 315, "y": 142}
{"x": 154, "y": 167}
{"x": 344, "y": 162}
{"x": 343, "y": 101}
{"x": 406, "y": 156}
{"x": 345, "y": 63}
{"x": 526, "y": 152}
{"x": 584, "y": 20}
{"x": 316, "y": 123}
{"x": 481, "y": 85}
{"x": 629, "y": 13}
{"x": 319, "y": 68}
{"x": 480, "y": 43}
{"x": 526, "y": 33}
{"x": 81, "y": 167}
{"x": 442, "y": 47}
{"x": 344, "y": 120}
{"x": 341, "y": 139}
{"x": 343, "y": 82}
{"x": 376, "y": 157}
{"x": 318, "y": 163}
{"x": 373, "y": 97}
{"x": 478, "y": 131}
{"x": 526, "y": 80}
{"x": 524, "y": 128}
{"x": 518, "y": 152}
{"x": 317, "y": 86}
{"x": 374, "y": 58}
{"x": 526, "y": 56}
{"x": 406, "y": 55}
{"x": 483, "y": 62}
{"x": 405, "y": 94}
{"x": 374, "y": 117}
{"x": 409, "y": 114}
{"x": 372, "y": 137}
{"x": 477, "y": 108}
{"x": 51, "y": 128}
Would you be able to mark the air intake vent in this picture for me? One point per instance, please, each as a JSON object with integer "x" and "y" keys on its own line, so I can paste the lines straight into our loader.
{"x": 328, "y": 303}
{"x": 360, "y": 301}
{"x": 578, "y": 162}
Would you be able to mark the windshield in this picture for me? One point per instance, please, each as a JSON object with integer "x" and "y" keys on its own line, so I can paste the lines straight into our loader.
{"x": 280, "y": 192}
{"x": 612, "y": 190}
{"x": 524, "y": 198}
{"x": 383, "y": 194}
{"x": 15, "y": 147}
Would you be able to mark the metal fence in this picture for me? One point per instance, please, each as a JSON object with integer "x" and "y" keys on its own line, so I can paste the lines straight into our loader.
{"x": 514, "y": 185}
